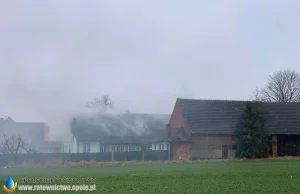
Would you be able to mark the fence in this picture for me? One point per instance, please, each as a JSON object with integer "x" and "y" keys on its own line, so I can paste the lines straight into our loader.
{"x": 5, "y": 159}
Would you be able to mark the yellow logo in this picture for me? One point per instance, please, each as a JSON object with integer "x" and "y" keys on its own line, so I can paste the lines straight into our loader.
{"x": 10, "y": 186}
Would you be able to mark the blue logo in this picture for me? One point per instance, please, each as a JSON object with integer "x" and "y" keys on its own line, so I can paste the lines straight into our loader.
{"x": 10, "y": 186}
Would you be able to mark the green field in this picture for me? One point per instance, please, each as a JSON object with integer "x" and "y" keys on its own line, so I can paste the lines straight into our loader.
{"x": 207, "y": 177}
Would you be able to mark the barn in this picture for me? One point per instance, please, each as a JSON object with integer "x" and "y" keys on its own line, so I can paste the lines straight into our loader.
{"x": 203, "y": 129}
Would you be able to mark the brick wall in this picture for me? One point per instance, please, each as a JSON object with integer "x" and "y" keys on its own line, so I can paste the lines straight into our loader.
{"x": 212, "y": 141}
{"x": 182, "y": 151}
{"x": 177, "y": 120}
{"x": 205, "y": 147}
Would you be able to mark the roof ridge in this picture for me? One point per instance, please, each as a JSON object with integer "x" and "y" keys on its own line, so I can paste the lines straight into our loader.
{"x": 203, "y": 99}
{"x": 219, "y": 100}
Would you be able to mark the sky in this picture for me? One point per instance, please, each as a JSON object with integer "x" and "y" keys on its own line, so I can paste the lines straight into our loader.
{"x": 57, "y": 55}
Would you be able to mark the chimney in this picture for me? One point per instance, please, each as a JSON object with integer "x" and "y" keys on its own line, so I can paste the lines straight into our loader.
{"x": 168, "y": 129}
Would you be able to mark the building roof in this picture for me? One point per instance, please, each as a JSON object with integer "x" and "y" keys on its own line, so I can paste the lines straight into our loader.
{"x": 119, "y": 129}
{"x": 222, "y": 116}
{"x": 178, "y": 134}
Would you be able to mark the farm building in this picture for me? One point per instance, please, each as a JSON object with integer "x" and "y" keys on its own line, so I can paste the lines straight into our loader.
{"x": 203, "y": 128}
{"x": 117, "y": 133}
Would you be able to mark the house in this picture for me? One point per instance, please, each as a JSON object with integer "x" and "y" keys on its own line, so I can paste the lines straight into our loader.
{"x": 119, "y": 133}
{"x": 203, "y": 128}
{"x": 35, "y": 134}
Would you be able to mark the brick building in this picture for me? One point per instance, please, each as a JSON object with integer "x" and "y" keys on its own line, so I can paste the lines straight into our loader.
{"x": 203, "y": 128}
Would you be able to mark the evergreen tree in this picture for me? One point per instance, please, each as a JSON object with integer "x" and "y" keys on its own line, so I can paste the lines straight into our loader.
{"x": 253, "y": 140}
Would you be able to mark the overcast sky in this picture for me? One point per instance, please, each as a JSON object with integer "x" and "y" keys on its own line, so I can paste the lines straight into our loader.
{"x": 55, "y": 55}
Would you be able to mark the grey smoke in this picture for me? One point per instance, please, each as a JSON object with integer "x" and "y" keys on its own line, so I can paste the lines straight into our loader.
{"x": 57, "y": 55}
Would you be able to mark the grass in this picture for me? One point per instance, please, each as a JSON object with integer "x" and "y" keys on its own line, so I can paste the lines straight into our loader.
{"x": 206, "y": 177}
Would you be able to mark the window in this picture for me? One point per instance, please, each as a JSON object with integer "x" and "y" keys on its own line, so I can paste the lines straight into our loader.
{"x": 108, "y": 148}
{"x": 234, "y": 147}
{"x": 66, "y": 148}
{"x": 122, "y": 148}
{"x": 163, "y": 146}
{"x": 102, "y": 148}
{"x": 86, "y": 147}
{"x": 118, "y": 148}
{"x": 159, "y": 146}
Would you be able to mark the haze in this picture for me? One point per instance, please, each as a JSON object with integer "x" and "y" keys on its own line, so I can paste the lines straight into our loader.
{"x": 57, "y": 55}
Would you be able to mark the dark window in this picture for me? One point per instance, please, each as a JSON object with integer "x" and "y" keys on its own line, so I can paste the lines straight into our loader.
{"x": 234, "y": 147}
{"x": 224, "y": 151}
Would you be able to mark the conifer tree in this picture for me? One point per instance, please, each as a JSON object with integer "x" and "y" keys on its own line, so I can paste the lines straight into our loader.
{"x": 253, "y": 140}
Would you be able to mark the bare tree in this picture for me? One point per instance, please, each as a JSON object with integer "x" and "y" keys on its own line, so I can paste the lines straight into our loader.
{"x": 14, "y": 145}
{"x": 101, "y": 104}
{"x": 282, "y": 86}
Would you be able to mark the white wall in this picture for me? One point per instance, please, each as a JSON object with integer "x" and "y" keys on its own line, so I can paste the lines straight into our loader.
{"x": 74, "y": 145}
{"x": 163, "y": 146}
{"x": 94, "y": 146}
{"x": 70, "y": 143}
{"x": 77, "y": 147}
{"x": 124, "y": 148}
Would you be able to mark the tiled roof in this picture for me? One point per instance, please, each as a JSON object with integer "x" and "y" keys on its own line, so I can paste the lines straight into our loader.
{"x": 222, "y": 116}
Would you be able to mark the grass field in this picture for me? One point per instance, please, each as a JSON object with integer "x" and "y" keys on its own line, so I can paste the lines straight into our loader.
{"x": 206, "y": 177}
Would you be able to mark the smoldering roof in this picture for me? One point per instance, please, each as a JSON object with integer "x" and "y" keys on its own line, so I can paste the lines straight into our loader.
{"x": 120, "y": 127}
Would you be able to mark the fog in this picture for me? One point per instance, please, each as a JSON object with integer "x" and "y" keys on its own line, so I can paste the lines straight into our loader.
{"x": 57, "y": 55}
